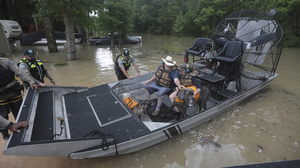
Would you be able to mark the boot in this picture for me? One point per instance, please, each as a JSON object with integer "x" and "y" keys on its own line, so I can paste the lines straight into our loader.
{"x": 159, "y": 103}
{"x": 155, "y": 113}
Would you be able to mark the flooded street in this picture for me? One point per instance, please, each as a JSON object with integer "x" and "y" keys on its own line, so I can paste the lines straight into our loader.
{"x": 264, "y": 128}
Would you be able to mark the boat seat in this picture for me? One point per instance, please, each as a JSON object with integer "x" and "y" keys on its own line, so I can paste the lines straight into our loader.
{"x": 230, "y": 61}
{"x": 43, "y": 121}
{"x": 213, "y": 82}
{"x": 198, "y": 47}
{"x": 228, "y": 93}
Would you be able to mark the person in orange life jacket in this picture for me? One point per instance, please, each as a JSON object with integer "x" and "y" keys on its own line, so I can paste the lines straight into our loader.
{"x": 6, "y": 124}
{"x": 187, "y": 78}
{"x": 10, "y": 90}
{"x": 165, "y": 78}
{"x": 123, "y": 63}
{"x": 34, "y": 66}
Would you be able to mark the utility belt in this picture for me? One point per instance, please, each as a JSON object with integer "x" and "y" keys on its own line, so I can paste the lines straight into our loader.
{"x": 15, "y": 88}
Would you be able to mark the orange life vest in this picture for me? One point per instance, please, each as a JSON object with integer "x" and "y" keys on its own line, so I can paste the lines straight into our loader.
{"x": 194, "y": 88}
{"x": 130, "y": 102}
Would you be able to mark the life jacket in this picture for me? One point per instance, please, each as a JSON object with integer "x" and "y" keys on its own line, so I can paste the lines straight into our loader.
{"x": 194, "y": 88}
{"x": 6, "y": 76}
{"x": 125, "y": 63}
{"x": 130, "y": 102}
{"x": 186, "y": 79}
{"x": 36, "y": 70}
{"x": 163, "y": 76}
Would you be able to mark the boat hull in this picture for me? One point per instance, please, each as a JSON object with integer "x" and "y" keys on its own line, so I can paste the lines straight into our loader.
{"x": 73, "y": 144}
{"x": 172, "y": 130}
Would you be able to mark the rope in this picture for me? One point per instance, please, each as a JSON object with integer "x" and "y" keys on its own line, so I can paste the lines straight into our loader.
{"x": 104, "y": 144}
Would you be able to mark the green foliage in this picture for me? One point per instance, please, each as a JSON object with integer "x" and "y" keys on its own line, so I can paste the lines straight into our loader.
{"x": 61, "y": 64}
{"x": 114, "y": 16}
{"x": 193, "y": 18}
{"x": 55, "y": 10}
{"x": 19, "y": 11}
{"x": 197, "y": 18}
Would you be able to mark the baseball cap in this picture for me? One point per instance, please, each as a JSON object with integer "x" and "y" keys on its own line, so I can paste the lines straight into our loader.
{"x": 126, "y": 53}
{"x": 28, "y": 52}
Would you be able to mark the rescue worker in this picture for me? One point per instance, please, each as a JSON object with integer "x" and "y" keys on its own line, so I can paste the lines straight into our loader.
{"x": 10, "y": 89}
{"x": 188, "y": 78}
{"x": 122, "y": 65}
{"x": 5, "y": 124}
{"x": 165, "y": 77}
{"x": 34, "y": 67}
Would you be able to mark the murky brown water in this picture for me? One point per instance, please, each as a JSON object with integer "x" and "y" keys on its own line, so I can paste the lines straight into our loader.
{"x": 270, "y": 119}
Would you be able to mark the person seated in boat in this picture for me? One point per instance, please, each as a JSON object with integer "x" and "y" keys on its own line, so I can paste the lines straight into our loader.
{"x": 165, "y": 77}
{"x": 189, "y": 80}
{"x": 122, "y": 65}
{"x": 6, "y": 124}
{"x": 34, "y": 67}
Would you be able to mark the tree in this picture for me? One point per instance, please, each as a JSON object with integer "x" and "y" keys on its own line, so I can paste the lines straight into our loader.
{"x": 289, "y": 18}
{"x": 19, "y": 11}
{"x": 46, "y": 16}
{"x": 115, "y": 17}
{"x": 68, "y": 11}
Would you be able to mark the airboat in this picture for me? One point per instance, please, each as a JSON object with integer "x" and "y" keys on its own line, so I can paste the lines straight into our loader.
{"x": 237, "y": 61}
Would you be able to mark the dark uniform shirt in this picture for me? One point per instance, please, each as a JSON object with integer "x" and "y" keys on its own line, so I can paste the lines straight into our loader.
{"x": 8, "y": 64}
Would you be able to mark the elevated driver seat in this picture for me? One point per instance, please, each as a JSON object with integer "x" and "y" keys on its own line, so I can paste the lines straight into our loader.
{"x": 197, "y": 48}
{"x": 230, "y": 61}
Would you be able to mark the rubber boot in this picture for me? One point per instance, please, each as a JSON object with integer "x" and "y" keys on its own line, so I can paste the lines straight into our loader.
{"x": 159, "y": 103}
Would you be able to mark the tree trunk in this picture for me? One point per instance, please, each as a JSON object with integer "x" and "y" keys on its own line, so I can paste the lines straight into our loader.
{"x": 120, "y": 40}
{"x": 71, "y": 50}
{"x": 86, "y": 29}
{"x": 295, "y": 23}
{"x": 52, "y": 47}
{"x": 112, "y": 39}
{"x": 120, "y": 37}
{"x": 87, "y": 40}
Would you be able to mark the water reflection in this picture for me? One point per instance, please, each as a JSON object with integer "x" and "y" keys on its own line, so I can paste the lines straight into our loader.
{"x": 104, "y": 57}
{"x": 204, "y": 154}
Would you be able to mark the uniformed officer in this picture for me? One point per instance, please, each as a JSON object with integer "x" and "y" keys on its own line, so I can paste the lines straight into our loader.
{"x": 123, "y": 63}
{"x": 34, "y": 67}
{"x": 10, "y": 89}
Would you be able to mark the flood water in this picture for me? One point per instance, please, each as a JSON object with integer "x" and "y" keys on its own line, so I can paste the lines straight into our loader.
{"x": 264, "y": 128}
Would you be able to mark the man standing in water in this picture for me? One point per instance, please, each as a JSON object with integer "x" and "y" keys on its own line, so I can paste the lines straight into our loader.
{"x": 10, "y": 90}
{"x": 34, "y": 66}
{"x": 123, "y": 63}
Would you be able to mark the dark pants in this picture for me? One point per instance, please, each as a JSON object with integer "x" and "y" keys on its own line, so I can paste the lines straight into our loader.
{"x": 7, "y": 105}
{"x": 120, "y": 75}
